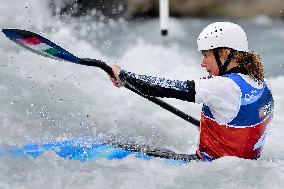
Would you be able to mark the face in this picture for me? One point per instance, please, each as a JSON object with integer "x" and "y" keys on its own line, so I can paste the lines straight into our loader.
{"x": 209, "y": 63}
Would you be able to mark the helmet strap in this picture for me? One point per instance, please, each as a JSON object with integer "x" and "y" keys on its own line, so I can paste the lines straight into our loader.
{"x": 223, "y": 67}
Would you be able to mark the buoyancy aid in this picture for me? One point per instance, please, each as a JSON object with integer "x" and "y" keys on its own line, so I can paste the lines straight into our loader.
{"x": 244, "y": 135}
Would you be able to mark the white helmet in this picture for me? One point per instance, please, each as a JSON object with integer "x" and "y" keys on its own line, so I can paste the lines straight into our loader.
{"x": 222, "y": 34}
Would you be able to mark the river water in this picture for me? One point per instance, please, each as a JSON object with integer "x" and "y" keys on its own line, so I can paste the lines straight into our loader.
{"x": 46, "y": 100}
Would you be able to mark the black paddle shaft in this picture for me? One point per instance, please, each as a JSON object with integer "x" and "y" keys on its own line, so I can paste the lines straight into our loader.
{"x": 108, "y": 70}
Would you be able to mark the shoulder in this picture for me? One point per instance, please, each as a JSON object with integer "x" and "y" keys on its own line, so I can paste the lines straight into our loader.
{"x": 216, "y": 88}
{"x": 215, "y": 84}
{"x": 221, "y": 94}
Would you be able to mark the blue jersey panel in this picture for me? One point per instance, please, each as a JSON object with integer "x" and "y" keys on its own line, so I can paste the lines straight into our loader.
{"x": 256, "y": 104}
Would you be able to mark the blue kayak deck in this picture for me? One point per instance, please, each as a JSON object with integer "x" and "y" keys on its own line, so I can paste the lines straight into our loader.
{"x": 78, "y": 149}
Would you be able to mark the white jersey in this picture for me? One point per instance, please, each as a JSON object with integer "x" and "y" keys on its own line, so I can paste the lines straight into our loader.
{"x": 222, "y": 95}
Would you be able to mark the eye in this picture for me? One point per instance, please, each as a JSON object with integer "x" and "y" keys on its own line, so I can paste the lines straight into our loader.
{"x": 204, "y": 55}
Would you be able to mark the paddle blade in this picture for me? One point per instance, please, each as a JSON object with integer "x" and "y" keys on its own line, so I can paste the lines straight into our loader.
{"x": 39, "y": 45}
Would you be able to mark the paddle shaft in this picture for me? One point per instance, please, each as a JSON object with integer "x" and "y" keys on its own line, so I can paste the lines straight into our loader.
{"x": 108, "y": 70}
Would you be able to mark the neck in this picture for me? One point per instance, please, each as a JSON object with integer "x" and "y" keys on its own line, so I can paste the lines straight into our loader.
{"x": 237, "y": 69}
{"x": 232, "y": 64}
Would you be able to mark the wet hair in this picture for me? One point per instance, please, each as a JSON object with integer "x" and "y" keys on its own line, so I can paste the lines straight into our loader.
{"x": 251, "y": 62}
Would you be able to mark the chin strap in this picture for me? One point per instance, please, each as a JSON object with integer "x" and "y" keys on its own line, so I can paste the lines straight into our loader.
{"x": 223, "y": 67}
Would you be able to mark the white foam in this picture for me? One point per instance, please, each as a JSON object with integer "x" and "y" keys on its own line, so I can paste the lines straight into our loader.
{"x": 43, "y": 99}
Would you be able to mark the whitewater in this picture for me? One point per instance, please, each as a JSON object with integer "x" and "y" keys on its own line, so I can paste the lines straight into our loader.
{"x": 48, "y": 100}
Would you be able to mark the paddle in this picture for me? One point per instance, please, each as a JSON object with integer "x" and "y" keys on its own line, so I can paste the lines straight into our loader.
{"x": 45, "y": 47}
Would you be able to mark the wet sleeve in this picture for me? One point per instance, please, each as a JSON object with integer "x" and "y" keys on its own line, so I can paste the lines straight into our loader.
{"x": 159, "y": 87}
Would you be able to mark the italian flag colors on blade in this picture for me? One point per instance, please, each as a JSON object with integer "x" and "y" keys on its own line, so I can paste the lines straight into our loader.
{"x": 36, "y": 44}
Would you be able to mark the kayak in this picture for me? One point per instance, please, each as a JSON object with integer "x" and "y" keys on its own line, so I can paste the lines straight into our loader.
{"x": 90, "y": 149}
